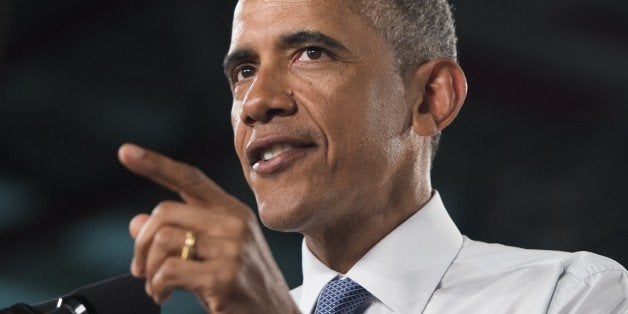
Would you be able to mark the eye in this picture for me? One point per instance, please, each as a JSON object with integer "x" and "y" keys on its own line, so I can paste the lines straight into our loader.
{"x": 244, "y": 72}
{"x": 312, "y": 53}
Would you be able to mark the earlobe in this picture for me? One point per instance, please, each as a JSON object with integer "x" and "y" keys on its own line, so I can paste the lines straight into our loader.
{"x": 440, "y": 89}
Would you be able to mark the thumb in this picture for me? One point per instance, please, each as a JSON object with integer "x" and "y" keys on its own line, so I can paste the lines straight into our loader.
{"x": 136, "y": 224}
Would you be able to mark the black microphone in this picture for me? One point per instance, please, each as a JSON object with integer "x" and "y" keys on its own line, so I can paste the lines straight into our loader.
{"x": 119, "y": 295}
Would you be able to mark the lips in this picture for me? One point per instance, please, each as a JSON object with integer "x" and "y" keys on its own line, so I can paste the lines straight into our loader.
{"x": 275, "y": 150}
{"x": 270, "y": 153}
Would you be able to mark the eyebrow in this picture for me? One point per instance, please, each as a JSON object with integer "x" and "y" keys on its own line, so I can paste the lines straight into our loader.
{"x": 310, "y": 37}
{"x": 235, "y": 57}
{"x": 292, "y": 39}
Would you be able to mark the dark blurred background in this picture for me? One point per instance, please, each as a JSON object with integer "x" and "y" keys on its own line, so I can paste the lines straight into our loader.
{"x": 537, "y": 158}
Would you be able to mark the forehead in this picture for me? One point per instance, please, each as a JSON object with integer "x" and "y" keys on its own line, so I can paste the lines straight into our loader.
{"x": 259, "y": 19}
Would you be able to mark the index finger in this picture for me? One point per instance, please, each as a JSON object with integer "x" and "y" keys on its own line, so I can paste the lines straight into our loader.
{"x": 188, "y": 181}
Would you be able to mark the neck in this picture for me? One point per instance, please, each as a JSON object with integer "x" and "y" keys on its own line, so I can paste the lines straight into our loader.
{"x": 341, "y": 244}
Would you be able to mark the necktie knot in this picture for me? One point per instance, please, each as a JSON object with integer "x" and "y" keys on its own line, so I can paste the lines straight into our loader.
{"x": 341, "y": 296}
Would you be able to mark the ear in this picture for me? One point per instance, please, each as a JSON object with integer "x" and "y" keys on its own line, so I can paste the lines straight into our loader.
{"x": 436, "y": 90}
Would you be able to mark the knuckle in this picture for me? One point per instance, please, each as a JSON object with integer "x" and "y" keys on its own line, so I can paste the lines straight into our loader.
{"x": 171, "y": 267}
{"x": 141, "y": 243}
{"x": 163, "y": 208}
{"x": 163, "y": 236}
{"x": 167, "y": 273}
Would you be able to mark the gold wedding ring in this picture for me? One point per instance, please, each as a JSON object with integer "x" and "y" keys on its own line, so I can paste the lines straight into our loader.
{"x": 189, "y": 246}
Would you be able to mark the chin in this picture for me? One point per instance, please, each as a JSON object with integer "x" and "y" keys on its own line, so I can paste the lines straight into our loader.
{"x": 283, "y": 215}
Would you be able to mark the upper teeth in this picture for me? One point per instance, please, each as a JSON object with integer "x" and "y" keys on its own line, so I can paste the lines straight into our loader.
{"x": 275, "y": 150}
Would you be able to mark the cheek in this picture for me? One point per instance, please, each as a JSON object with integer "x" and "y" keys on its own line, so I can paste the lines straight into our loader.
{"x": 239, "y": 132}
{"x": 362, "y": 120}
{"x": 236, "y": 109}
{"x": 337, "y": 105}
{"x": 354, "y": 109}
{"x": 333, "y": 98}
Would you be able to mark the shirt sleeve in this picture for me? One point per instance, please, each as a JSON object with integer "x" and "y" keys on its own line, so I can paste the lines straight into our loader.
{"x": 604, "y": 290}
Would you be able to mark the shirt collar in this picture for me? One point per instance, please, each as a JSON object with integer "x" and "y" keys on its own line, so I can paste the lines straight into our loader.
{"x": 403, "y": 269}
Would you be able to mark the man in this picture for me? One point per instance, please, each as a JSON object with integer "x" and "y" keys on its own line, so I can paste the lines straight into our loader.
{"x": 337, "y": 109}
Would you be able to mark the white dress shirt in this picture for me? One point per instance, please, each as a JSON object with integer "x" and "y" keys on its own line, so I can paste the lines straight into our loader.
{"x": 426, "y": 265}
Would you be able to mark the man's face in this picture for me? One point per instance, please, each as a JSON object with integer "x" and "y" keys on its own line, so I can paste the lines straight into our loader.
{"x": 319, "y": 115}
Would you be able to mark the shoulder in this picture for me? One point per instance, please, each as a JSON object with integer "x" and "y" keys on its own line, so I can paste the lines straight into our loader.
{"x": 492, "y": 257}
{"x": 497, "y": 257}
{"x": 487, "y": 273}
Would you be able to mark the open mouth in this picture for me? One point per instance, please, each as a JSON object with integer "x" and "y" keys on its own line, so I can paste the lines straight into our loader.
{"x": 274, "y": 151}
{"x": 267, "y": 156}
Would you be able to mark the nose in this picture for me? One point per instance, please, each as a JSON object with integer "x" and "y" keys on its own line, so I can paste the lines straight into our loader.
{"x": 266, "y": 98}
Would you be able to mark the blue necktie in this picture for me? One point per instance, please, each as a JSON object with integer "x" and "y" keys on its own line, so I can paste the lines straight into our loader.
{"x": 340, "y": 296}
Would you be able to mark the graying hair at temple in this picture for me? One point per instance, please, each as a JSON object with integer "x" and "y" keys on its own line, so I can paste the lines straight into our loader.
{"x": 419, "y": 30}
